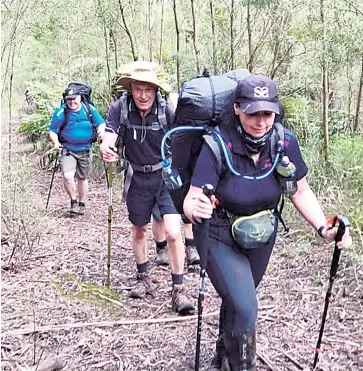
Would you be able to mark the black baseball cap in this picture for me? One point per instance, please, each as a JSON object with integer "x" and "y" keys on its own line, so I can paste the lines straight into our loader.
{"x": 71, "y": 93}
{"x": 257, "y": 93}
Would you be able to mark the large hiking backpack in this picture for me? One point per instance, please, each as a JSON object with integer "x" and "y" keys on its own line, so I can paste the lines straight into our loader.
{"x": 200, "y": 103}
{"x": 85, "y": 91}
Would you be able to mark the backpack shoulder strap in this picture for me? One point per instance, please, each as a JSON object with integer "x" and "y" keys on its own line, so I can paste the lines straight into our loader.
{"x": 277, "y": 134}
{"x": 162, "y": 111}
{"x": 215, "y": 147}
{"x": 65, "y": 121}
{"x": 124, "y": 109}
{"x": 89, "y": 113}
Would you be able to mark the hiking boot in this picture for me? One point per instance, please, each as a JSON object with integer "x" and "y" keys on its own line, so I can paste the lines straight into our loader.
{"x": 180, "y": 302}
{"x": 81, "y": 208}
{"x": 192, "y": 255}
{"x": 220, "y": 360}
{"x": 162, "y": 257}
{"x": 219, "y": 363}
{"x": 74, "y": 207}
{"x": 241, "y": 349}
{"x": 143, "y": 286}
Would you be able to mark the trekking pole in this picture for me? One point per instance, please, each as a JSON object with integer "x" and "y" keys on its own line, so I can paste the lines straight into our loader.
{"x": 201, "y": 237}
{"x": 55, "y": 167}
{"x": 109, "y": 171}
{"x": 343, "y": 223}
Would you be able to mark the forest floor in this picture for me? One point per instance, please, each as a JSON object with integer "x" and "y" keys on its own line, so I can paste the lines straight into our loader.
{"x": 55, "y": 305}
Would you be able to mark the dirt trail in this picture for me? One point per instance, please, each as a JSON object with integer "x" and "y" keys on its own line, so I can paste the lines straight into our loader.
{"x": 61, "y": 282}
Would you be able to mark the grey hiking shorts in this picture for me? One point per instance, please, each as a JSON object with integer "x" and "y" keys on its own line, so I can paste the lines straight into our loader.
{"x": 78, "y": 162}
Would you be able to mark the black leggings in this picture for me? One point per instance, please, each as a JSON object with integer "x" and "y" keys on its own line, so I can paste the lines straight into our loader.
{"x": 235, "y": 276}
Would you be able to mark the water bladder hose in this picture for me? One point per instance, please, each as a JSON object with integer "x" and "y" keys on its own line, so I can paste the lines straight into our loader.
{"x": 224, "y": 148}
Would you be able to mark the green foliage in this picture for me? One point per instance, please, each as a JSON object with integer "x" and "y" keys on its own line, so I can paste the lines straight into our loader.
{"x": 88, "y": 292}
{"x": 339, "y": 122}
{"x": 35, "y": 124}
{"x": 339, "y": 183}
{"x": 298, "y": 114}
{"x": 303, "y": 117}
{"x": 45, "y": 98}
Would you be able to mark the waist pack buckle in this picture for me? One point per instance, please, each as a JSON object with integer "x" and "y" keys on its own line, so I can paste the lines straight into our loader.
{"x": 147, "y": 168}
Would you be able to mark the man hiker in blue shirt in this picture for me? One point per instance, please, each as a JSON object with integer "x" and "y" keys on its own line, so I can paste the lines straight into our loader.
{"x": 74, "y": 143}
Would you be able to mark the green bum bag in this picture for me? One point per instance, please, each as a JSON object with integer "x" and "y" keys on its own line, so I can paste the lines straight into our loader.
{"x": 250, "y": 232}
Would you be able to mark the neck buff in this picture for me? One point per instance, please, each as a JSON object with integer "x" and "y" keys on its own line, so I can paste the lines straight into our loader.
{"x": 253, "y": 144}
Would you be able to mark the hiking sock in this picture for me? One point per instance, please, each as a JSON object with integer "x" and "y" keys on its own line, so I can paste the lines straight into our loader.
{"x": 160, "y": 245}
{"x": 189, "y": 242}
{"x": 177, "y": 279}
{"x": 142, "y": 268}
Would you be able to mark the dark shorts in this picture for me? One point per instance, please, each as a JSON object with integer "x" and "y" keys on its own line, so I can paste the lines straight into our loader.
{"x": 157, "y": 217}
{"x": 78, "y": 162}
{"x": 140, "y": 202}
{"x": 156, "y": 214}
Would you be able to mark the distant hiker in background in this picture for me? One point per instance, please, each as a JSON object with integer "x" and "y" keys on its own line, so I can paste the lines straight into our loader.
{"x": 74, "y": 127}
{"x": 139, "y": 120}
{"x": 242, "y": 213}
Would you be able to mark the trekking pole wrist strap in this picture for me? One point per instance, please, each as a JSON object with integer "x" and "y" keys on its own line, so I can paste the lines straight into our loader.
{"x": 320, "y": 231}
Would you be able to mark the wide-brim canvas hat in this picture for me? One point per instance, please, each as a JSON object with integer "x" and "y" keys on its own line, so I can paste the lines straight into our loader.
{"x": 257, "y": 93}
{"x": 142, "y": 71}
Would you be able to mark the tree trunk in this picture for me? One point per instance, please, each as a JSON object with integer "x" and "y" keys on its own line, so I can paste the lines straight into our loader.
{"x": 359, "y": 99}
{"x": 161, "y": 33}
{"x": 150, "y": 31}
{"x": 128, "y": 32}
{"x": 5, "y": 75}
{"x": 275, "y": 52}
{"x": 249, "y": 33}
{"x": 194, "y": 36}
{"x": 231, "y": 20}
{"x": 107, "y": 55}
{"x": 177, "y": 45}
{"x": 10, "y": 108}
{"x": 69, "y": 52}
{"x": 114, "y": 49}
{"x": 283, "y": 58}
{"x": 213, "y": 25}
{"x": 349, "y": 79}
{"x": 325, "y": 92}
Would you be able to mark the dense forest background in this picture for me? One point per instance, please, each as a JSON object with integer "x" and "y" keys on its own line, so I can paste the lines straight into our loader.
{"x": 312, "y": 48}
{"x": 54, "y": 301}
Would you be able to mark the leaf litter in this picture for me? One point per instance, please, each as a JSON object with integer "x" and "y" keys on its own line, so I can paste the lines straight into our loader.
{"x": 55, "y": 305}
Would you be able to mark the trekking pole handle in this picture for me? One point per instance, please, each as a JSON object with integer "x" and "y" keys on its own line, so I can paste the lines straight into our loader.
{"x": 208, "y": 190}
{"x": 344, "y": 223}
